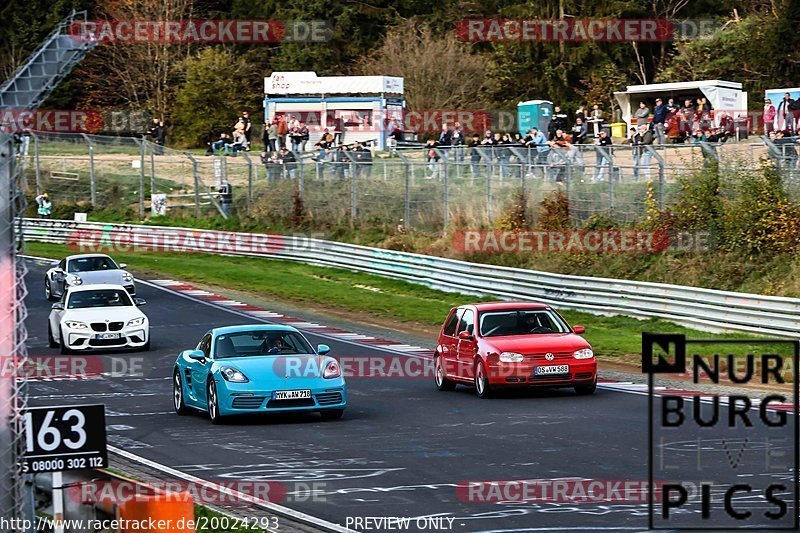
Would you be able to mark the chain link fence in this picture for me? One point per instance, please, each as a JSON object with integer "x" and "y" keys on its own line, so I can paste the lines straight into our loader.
{"x": 13, "y": 391}
{"x": 417, "y": 186}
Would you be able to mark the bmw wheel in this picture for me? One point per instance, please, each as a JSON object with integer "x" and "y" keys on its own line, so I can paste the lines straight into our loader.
{"x": 482, "y": 381}
{"x": 177, "y": 394}
{"x": 440, "y": 376}
{"x": 48, "y": 290}
{"x": 64, "y": 348}
{"x": 213, "y": 403}
{"x": 51, "y": 341}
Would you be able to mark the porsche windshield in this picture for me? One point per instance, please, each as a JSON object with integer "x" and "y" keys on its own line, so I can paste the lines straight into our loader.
{"x": 260, "y": 342}
{"x": 89, "y": 264}
{"x": 521, "y": 322}
{"x": 99, "y": 298}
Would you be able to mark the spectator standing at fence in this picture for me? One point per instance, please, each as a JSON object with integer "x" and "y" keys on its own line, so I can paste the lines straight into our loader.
{"x": 283, "y": 130}
{"x": 602, "y": 155}
{"x": 672, "y": 107}
{"x": 596, "y": 119}
{"x": 769, "y": 117}
{"x": 580, "y": 113}
{"x": 539, "y": 142}
{"x": 687, "y": 119}
{"x": 643, "y": 141}
{"x": 45, "y": 206}
{"x": 445, "y": 137}
{"x": 225, "y": 196}
{"x": 704, "y": 114}
{"x": 364, "y": 160}
{"x": 457, "y": 139}
{"x": 558, "y": 122}
{"x": 432, "y": 158}
{"x": 295, "y": 137}
{"x": 474, "y": 154}
{"x": 305, "y": 135}
{"x": 784, "y": 110}
{"x": 642, "y": 114}
{"x": 289, "y": 162}
{"x": 579, "y": 131}
{"x": 248, "y": 127}
{"x": 659, "y": 119}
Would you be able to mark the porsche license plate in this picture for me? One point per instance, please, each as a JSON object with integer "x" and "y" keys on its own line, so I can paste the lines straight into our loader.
{"x": 106, "y": 336}
{"x": 291, "y": 394}
{"x": 552, "y": 369}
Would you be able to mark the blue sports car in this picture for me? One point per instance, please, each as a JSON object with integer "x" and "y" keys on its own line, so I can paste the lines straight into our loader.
{"x": 259, "y": 368}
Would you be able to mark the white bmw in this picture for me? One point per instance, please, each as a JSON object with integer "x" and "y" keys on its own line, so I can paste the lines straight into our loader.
{"x": 98, "y": 316}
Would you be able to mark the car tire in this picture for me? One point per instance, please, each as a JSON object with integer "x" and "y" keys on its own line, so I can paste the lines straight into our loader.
{"x": 213, "y": 403}
{"x": 48, "y": 290}
{"x": 145, "y": 347}
{"x": 440, "y": 376}
{"x": 177, "y": 394}
{"x": 51, "y": 341}
{"x": 482, "y": 388}
{"x": 64, "y": 348}
{"x": 332, "y": 414}
{"x": 586, "y": 390}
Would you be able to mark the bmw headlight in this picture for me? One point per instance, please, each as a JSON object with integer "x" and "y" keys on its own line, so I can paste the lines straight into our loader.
{"x": 511, "y": 357}
{"x": 74, "y": 280}
{"x": 583, "y": 353}
{"x": 126, "y": 277}
{"x": 74, "y": 324}
{"x": 233, "y": 375}
{"x": 136, "y": 321}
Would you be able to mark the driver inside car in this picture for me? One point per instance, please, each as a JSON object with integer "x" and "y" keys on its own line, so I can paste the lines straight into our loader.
{"x": 271, "y": 346}
{"x": 532, "y": 324}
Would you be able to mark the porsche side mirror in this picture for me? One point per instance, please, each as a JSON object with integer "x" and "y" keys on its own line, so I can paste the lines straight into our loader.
{"x": 123, "y": 266}
{"x": 197, "y": 355}
{"x": 579, "y": 329}
{"x": 322, "y": 349}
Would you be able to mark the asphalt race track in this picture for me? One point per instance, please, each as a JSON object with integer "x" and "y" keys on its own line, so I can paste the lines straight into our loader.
{"x": 400, "y": 450}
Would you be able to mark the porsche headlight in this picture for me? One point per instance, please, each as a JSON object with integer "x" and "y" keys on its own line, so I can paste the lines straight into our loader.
{"x": 233, "y": 375}
{"x": 332, "y": 370}
{"x": 136, "y": 321}
{"x": 74, "y": 280}
{"x": 126, "y": 277}
{"x": 74, "y": 324}
{"x": 583, "y": 353}
{"x": 511, "y": 357}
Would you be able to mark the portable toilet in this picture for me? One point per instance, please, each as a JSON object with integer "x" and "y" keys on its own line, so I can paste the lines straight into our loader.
{"x": 534, "y": 114}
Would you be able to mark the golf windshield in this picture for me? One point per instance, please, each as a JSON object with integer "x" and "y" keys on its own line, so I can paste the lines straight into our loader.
{"x": 99, "y": 298}
{"x": 260, "y": 342}
{"x": 89, "y": 264}
{"x": 521, "y": 322}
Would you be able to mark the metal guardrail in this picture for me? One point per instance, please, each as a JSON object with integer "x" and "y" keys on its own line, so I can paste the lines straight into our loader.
{"x": 706, "y": 309}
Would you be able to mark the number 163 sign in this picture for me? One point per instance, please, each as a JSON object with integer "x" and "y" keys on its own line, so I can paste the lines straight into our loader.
{"x": 65, "y": 438}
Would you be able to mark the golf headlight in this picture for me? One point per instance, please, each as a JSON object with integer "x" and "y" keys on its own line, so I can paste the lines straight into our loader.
{"x": 332, "y": 370}
{"x": 136, "y": 321}
{"x": 126, "y": 277}
{"x": 511, "y": 357}
{"x": 74, "y": 280}
{"x": 233, "y": 375}
{"x": 584, "y": 353}
{"x": 74, "y": 324}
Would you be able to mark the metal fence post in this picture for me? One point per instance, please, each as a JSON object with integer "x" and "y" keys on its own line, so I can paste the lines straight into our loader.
{"x": 353, "y": 210}
{"x": 91, "y": 169}
{"x": 407, "y": 199}
{"x": 196, "y": 184}
{"x": 38, "y": 168}
{"x": 446, "y": 217}
{"x": 249, "y": 178}
{"x": 141, "y": 179}
{"x": 153, "y": 168}
{"x": 489, "y": 197}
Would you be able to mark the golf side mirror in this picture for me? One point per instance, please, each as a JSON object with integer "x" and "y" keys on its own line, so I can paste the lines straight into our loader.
{"x": 579, "y": 329}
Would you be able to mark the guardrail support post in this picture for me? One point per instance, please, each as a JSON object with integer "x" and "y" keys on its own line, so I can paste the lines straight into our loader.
{"x": 153, "y": 168}
{"x": 141, "y": 180}
{"x": 446, "y": 217}
{"x": 353, "y": 210}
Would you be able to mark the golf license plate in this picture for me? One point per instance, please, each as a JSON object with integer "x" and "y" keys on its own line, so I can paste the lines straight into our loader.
{"x": 552, "y": 369}
{"x": 291, "y": 394}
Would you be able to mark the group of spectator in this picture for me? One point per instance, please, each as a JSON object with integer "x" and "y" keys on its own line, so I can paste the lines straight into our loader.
{"x": 237, "y": 141}
{"x": 281, "y": 129}
{"x": 783, "y": 118}
{"x": 339, "y": 158}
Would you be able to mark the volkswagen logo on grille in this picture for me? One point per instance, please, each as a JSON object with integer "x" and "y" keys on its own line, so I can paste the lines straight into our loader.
{"x": 549, "y": 356}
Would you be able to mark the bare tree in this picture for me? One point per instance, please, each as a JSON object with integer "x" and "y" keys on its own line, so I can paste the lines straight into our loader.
{"x": 439, "y": 72}
{"x": 144, "y": 72}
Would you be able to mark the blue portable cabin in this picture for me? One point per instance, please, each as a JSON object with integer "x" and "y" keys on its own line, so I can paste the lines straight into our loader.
{"x": 534, "y": 114}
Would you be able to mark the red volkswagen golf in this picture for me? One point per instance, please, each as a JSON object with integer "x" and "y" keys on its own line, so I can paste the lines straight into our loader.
{"x": 512, "y": 344}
